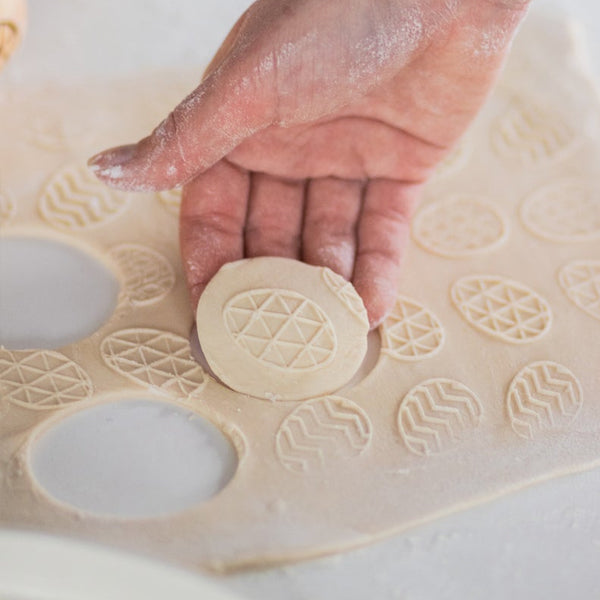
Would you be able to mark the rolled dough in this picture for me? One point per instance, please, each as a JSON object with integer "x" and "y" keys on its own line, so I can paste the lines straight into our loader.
{"x": 487, "y": 380}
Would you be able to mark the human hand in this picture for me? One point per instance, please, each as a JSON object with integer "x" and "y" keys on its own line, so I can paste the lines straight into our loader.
{"x": 314, "y": 129}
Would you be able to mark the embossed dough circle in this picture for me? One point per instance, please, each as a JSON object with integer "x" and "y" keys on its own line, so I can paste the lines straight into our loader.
{"x": 239, "y": 368}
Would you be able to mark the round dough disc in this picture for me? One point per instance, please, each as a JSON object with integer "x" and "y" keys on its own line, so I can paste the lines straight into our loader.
{"x": 280, "y": 329}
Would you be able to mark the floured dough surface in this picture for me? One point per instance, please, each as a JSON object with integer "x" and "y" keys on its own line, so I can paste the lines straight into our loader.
{"x": 487, "y": 377}
{"x": 280, "y": 329}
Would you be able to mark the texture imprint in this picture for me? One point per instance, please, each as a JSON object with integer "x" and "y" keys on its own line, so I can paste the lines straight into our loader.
{"x": 42, "y": 379}
{"x": 281, "y": 328}
{"x": 504, "y": 309}
{"x": 434, "y": 414}
{"x": 154, "y": 358}
{"x": 320, "y": 431}
{"x": 580, "y": 280}
{"x": 543, "y": 396}
{"x": 75, "y": 199}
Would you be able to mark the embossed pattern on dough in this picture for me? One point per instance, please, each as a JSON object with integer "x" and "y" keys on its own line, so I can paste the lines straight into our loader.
{"x": 74, "y": 199}
{"x": 158, "y": 359}
{"x": 435, "y": 414}
{"x": 533, "y": 135}
{"x": 505, "y": 309}
{"x": 411, "y": 332}
{"x": 148, "y": 275}
{"x": 459, "y": 227}
{"x": 543, "y": 396}
{"x": 171, "y": 200}
{"x": 580, "y": 280}
{"x": 565, "y": 211}
{"x": 320, "y": 431}
{"x": 42, "y": 379}
{"x": 7, "y": 207}
{"x": 345, "y": 291}
{"x": 281, "y": 328}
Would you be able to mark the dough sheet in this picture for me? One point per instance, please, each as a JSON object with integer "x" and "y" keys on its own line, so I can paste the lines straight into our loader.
{"x": 488, "y": 377}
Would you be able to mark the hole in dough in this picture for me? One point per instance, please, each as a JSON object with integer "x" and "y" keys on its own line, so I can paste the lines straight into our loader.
{"x": 51, "y": 293}
{"x": 133, "y": 458}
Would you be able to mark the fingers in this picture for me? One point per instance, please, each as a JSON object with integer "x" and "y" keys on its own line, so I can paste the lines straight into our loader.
{"x": 213, "y": 212}
{"x": 329, "y": 236}
{"x": 383, "y": 232}
{"x": 230, "y": 104}
{"x": 274, "y": 221}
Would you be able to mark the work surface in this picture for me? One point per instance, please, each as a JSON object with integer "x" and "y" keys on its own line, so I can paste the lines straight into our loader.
{"x": 543, "y": 539}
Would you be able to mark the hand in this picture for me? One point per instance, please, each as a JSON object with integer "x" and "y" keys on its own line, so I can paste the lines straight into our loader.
{"x": 314, "y": 129}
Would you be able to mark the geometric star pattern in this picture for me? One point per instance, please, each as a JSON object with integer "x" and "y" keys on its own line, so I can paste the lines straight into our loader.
{"x": 156, "y": 359}
{"x": 281, "y": 328}
{"x": 580, "y": 280}
{"x": 566, "y": 211}
{"x": 345, "y": 291}
{"x": 502, "y": 308}
{"x": 411, "y": 332}
{"x": 42, "y": 379}
{"x": 459, "y": 227}
{"x": 148, "y": 276}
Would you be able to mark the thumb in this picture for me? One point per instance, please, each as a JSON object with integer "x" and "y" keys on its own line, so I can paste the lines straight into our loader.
{"x": 228, "y": 106}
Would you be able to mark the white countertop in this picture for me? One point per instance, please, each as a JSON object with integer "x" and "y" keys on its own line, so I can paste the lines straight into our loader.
{"x": 543, "y": 542}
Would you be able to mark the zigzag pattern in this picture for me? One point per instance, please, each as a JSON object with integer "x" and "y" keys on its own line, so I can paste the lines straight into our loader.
{"x": 42, "y": 379}
{"x": 580, "y": 280}
{"x": 171, "y": 200}
{"x": 75, "y": 199}
{"x": 345, "y": 291}
{"x": 459, "y": 226}
{"x": 543, "y": 396}
{"x": 154, "y": 358}
{"x": 433, "y": 415}
{"x": 533, "y": 136}
{"x": 320, "y": 431}
{"x": 148, "y": 275}
{"x": 565, "y": 211}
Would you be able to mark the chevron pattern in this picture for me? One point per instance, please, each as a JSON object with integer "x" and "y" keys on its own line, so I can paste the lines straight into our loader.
{"x": 281, "y": 328}
{"x": 348, "y": 296}
{"x": 7, "y": 207}
{"x": 156, "y": 359}
{"x": 580, "y": 280}
{"x": 321, "y": 431}
{"x": 459, "y": 227}
{"x": 148, "y": 275}
{"x": 74, "y": 199}
{"x": 411, "y": 332}
{"x": 42, "y": 379}
{"x": 543, "y": 396}
{"x": 171, "y": 200}
{"x": 434, "y": 414}
{"x": 532, "y": 135}
{"x": 504, "y": 309}
{"x": 566, "y": 211}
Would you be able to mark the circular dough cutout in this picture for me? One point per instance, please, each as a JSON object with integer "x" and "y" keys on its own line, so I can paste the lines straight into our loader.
{"x": 280, "y": 329}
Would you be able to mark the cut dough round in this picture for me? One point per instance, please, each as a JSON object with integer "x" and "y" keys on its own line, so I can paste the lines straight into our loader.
{"x": 280, "y": 329}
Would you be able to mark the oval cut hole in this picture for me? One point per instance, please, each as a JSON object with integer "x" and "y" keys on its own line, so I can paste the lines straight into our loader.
{"x": 51, "y": 293}
{"x": 133, "y": 458}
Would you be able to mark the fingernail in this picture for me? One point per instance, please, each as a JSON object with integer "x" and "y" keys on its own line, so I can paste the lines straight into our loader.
{"x": 109, "y": 159}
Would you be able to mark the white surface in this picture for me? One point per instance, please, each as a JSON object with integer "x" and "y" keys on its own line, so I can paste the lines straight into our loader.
{"x": 543, "y": 542}
{"x": 51, "y": 294}
{"x": 133, "y": 458}
{"x": 36, "y": 567}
